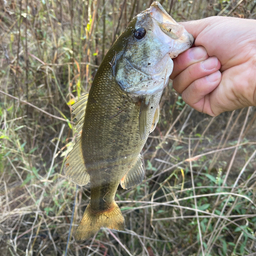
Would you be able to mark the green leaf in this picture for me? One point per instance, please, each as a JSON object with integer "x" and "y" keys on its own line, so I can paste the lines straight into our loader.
{"x": 48, "y": 209}
{"x": 224, "y": 246}
{"x": 27, "y": 180}
{"x": 35, "y": 171}
{"x": 203, "y": 207}
{"x": 240, "y": 228}
{"x": 212, "y": 178}
{"x": 5, "y": 137}
{"x": 127, "y": 208}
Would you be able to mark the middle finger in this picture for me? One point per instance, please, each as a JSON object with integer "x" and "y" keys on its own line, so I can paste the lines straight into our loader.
{"x": 194, "y": 72}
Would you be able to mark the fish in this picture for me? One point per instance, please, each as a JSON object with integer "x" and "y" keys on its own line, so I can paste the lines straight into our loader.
{"x": 121, "y": 110}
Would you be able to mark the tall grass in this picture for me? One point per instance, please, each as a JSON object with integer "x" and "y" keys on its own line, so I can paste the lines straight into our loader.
{"x": 198, "y": 197}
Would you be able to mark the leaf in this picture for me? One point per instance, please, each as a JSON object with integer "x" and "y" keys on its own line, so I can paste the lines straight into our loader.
{"x": 77, "y": 65}
{"x": 48, "y": 209}
{"x": 78, "y": 87}
{"x": 127, "y": 208}
{"x": 67, "y": 50}
{"x": 224, "y": 246}
{"x": 212, "y": 178}
{"x": 27, "y": 180}
{"x": 5, "y": 137}
{"x": 192, "y": 159}
{"x": 183, "y": 178}
{"x": 88, "y": 26}
{"x": 35, "y": 171}
{"x": 71, "y": 102}
{"x": 24, "y": 14}
{"x": 241, "y": 228}
{"x": 12, "y": 37}
{"x": 203, "y": 207}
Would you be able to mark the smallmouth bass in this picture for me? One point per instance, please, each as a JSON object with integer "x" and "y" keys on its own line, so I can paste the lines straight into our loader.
{"x": 121, "y": 110}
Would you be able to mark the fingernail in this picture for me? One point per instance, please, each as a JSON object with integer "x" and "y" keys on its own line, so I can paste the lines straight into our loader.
{"x": 210, "y": 63}
{"x": 197, "y": 53}
{"x": 213, "y": 77}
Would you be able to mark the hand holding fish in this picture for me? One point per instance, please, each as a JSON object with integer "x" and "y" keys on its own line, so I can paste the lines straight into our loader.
{"x": 218, "y": 74}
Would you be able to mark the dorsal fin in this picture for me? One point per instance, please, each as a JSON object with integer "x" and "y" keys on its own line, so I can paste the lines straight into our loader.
{"x": 134, "y": 176}
{"x": 74, "y": 164}
{"x": 78, "y": 112}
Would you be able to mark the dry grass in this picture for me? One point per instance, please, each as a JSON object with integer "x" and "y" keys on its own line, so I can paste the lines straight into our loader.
{"x": 198, "y": 197}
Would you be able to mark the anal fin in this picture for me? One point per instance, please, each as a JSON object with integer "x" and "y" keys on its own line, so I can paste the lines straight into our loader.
{"x": 134, "y": 176}
{"x": 74, "y": 166}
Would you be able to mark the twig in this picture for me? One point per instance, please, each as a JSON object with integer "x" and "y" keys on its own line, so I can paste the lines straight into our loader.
{"x": 195, "y": 200}
{"x": 26, "y": 64}
{"x": 71, "y": 222}
{"x": 235, "y": 7}
{"x": 217, "y": 231}
{"x": 117, "y": 27}
{"x": 133, "y": 8}
{"x": 25, "y": 102}
{"x": 167, "y": 133}
{"x": 242, "y": 171}
{"x": 119, "y": 242}
{"x": 55, "y": 151}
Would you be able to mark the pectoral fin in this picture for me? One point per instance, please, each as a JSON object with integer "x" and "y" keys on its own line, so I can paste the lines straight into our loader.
{"x": 155, "y": 120}
{"x": 134, "y": 176}
{"x": 143, "y": 120}
{"x": 74, "y": 166}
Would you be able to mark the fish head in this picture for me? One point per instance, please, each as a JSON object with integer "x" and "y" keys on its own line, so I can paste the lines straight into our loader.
{"x": 143, "y": 62}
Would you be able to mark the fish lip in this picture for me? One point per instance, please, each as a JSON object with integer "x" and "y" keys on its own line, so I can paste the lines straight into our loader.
{"x": 159, "y": 14}
{"x": 183, "y": 40}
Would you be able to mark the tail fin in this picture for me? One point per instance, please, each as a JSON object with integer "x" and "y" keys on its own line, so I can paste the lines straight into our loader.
{"x": 92, "y": 221}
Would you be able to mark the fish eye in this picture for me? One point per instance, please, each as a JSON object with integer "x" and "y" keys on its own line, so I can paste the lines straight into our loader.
{"x": 139, "y": 33}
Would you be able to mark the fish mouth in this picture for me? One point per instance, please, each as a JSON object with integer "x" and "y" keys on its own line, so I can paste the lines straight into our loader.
{"x": 178, "y": 38}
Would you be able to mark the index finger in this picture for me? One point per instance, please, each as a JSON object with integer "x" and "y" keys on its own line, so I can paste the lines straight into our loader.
{"x": 187, "y": 58}
{"x": 195, "y": 27}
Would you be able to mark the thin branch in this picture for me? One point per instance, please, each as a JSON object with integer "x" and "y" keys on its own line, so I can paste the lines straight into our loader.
{"x": 25, "y": 102}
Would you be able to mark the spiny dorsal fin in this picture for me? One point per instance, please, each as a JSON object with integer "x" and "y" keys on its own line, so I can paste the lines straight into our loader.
{"x": 78, "y": 112}
{"x": 74, "y": 163}
{"x": 134, "y": 176}
{"x": 75, "y": 167}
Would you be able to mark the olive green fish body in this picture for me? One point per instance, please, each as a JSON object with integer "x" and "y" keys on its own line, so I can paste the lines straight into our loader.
{"x": 112, "y": 140}
{"x": 121, "y": 110}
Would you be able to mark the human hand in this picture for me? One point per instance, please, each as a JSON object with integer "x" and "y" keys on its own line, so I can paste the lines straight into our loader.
{"x": 219, "y": 73}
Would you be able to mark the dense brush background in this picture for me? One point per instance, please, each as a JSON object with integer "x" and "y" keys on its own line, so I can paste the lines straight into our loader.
{"x": 198, "y": 196}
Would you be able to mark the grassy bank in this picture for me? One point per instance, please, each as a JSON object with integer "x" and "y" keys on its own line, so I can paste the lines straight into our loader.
{"x": 199, "y": 191}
